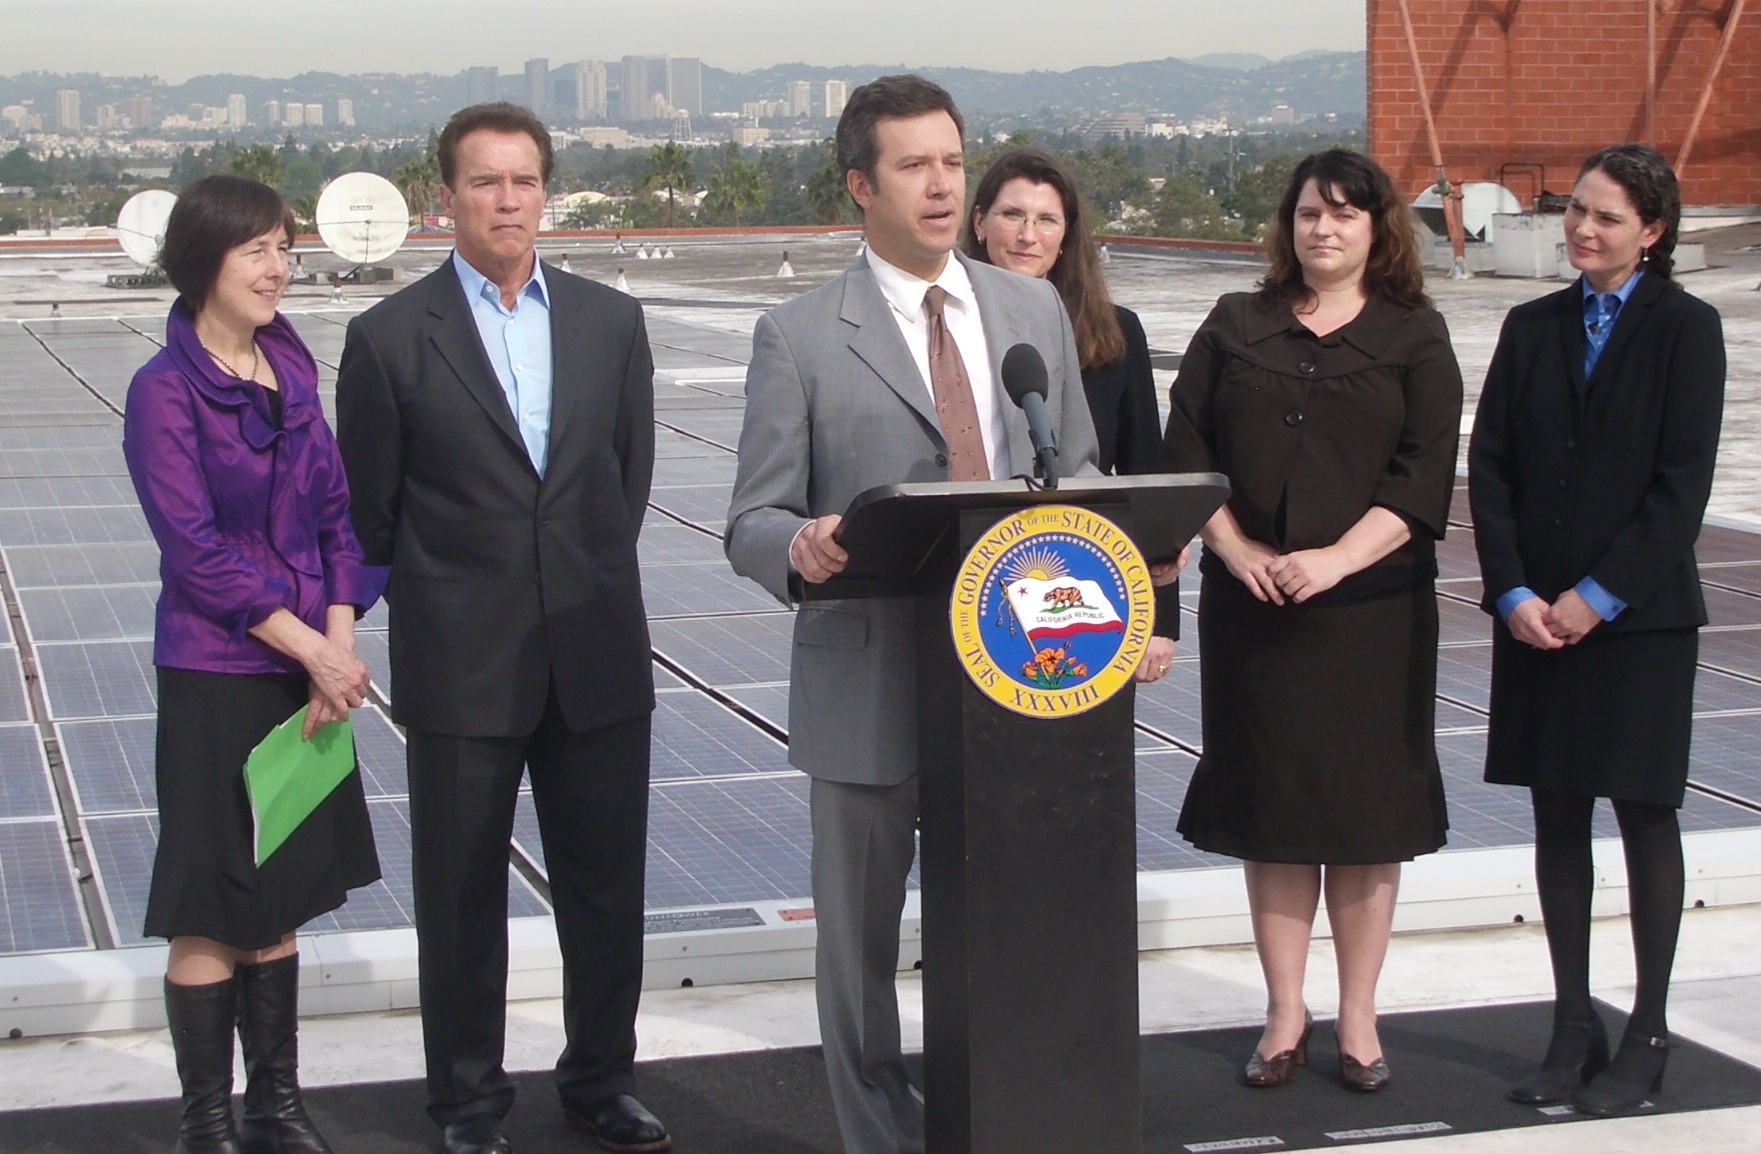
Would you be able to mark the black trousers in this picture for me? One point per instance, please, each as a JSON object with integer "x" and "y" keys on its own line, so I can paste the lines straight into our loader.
{"x": 591, "y": 793}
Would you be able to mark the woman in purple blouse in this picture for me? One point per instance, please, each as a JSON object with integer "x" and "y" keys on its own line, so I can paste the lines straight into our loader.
{"x": 239, "y": 478}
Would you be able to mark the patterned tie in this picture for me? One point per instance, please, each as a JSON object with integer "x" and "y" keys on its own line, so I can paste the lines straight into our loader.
{"x": 953, "y": 392}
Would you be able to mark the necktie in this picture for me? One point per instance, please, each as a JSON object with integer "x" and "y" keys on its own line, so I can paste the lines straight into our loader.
{"x": 953, "y": 393}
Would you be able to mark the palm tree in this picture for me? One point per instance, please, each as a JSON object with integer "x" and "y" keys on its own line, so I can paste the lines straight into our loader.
{"x": 669, "y": 167}
{"x": 827, "y": 198}
{"x": 258, "y": 162}
{"x": 415, "y": 178}
{"x": 305, "y": 210}
{"x": 736, "y": 188}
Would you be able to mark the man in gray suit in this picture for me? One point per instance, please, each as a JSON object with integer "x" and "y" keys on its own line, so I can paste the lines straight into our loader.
{"x": 890, "y": 373}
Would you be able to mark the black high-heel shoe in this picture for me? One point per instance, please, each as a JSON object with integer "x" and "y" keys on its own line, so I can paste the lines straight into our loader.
{"x": 1635, "y": 1073}
{"x": 1264, "y": 1073}
{"x": 1576, "y": 1054}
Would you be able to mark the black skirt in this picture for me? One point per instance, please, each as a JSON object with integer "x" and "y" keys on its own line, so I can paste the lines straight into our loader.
{"x": 205, "y": 879}
{"x": 1611, "y": 716}
{"x": 1319, "y": 729}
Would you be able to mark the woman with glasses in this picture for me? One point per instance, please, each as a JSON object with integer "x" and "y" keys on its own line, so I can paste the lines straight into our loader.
{"x": 1589, "y": 469}
{"x": 1027, "y": 218}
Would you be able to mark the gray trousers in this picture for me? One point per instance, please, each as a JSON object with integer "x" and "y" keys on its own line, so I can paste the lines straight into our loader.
{"x": 862, "y": 849}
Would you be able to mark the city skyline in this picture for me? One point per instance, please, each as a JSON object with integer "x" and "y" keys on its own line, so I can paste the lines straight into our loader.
{"x": 152, "y": 36}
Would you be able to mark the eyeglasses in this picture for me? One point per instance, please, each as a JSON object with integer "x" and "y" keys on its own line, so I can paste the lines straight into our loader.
{"x": 1016, "y": 219}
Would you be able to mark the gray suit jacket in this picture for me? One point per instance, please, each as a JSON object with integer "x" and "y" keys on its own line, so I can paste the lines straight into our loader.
{"x": 835, "y": 405}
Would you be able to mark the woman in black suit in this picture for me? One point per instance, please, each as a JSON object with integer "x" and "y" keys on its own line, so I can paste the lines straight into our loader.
{"x": 1027, "y": 218}
{"x": 1589, "y": 467}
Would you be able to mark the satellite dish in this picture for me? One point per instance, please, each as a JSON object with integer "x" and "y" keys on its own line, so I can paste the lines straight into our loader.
{"x": 140, "y": 226}
{"x": 1480, "y": 200}
{"x": 362, "y": 217}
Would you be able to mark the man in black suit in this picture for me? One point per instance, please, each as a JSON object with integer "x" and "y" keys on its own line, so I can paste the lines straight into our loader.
{"x": 496, "y": 422}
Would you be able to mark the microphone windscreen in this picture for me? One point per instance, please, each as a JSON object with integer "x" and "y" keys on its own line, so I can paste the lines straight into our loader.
{"x": 1024, "y": 372}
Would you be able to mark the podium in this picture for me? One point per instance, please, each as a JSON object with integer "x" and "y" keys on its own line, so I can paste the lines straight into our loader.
{"x": 1028, "y": 837}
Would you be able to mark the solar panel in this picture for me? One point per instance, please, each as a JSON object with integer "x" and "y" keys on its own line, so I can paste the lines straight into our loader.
{"x": 717, "y": 842}
{"x": 25, "y": 790}
{"x": 105, "y": 679}
{"x": 91, "y": 613}
{"x": 111, "y": 762}
{"x": 73, "y": 526}
{"x": 707, "y": 587}
{"x": 1727, "y": 755}
{"x": 1726, "y": 607}
{"x": 132, "y": 563}
{"x": 40, "y": 490}
{"x": 1745, "y": 577}
{"x": 666, "y": 543}
{"x": 39, "y": 901}
{"x": 696, "y": 737}
{"x": 1734, "y": 651}
{"x": 729, "y": 650}
{"x": 1162, "y": 778}
{"x": 707, "y": 505}
{"x": 13, "y": 704}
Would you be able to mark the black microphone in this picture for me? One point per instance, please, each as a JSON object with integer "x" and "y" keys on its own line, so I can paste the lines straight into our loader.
{"x": 1024, "y": 378}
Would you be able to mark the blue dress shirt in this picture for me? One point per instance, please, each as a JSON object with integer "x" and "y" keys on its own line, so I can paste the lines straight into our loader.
{"x": 518, "y": 343}
{"x": 1600, "y": 312}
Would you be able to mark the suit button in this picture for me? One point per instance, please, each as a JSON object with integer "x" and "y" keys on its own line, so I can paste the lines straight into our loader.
{"x": 942, "y": 459}
{"x": 1307, "y": 368}
{"x": 1293, "y": 418}
{"x": 1559, "y": 522}
{"x": 1571, "y": 442}
{"x": 537, "y": 577}
{"x": 1564, "y": 484}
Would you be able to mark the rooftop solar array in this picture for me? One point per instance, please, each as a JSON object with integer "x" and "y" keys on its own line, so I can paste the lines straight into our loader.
{"x": 728, "y": 817}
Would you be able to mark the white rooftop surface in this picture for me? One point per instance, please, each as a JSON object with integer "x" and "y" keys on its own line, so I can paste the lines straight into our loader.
{"x": 716, "y": 283}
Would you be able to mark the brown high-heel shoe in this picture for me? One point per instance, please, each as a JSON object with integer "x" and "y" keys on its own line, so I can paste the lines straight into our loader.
{"x": 1277, "y": 1070}
{"x": 1365, "y": 1079}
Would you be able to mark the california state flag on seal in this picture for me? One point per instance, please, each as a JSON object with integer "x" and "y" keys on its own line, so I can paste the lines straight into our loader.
{"x": 1061, "y": 607}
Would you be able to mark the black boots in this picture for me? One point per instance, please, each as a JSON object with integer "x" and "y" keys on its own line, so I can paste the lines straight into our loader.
{"x": 275, "y": 1120}
{"x": 201, "y": 1019}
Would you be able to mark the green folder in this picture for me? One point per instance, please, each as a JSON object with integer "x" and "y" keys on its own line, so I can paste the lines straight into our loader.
{"x": 287, "y": 777}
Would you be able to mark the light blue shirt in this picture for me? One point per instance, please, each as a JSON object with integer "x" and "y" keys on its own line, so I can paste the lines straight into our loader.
{"x": 518, "y": 344}
{"x": 1600, "y": 313}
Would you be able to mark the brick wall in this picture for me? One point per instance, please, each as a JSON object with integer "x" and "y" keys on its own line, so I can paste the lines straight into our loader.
{"x": 1551, "y": 81}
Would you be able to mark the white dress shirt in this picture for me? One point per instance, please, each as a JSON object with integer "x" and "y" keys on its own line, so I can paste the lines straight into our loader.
{"x": 904, "y": 292}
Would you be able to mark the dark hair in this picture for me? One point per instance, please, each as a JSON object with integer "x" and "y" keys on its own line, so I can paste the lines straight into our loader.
{"x": 498, "y": 117}
{"x": 888, "y": 98}
{"x": 1394, "y": 271}
{"x": 1077, "y": 272}
{"x": 1651, "y": 185}
{"x": 213, "y": 216}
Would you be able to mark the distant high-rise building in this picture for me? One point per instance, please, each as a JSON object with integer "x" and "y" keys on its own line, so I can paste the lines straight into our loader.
{"x": 837, "y": 94}
{"x": 482, "y": 84}
{"x": 106, "y": 118}
{"x": 685, "y": 84}
{"x": 314, "y": 116}
{"x": 140, "y": 112}
{"x": 345, "y": 113}
{"x": 293, "y": 114}
{"x": 235, "y": 110}
{"x": 644, "y": 78}
{"x": 800, "y": 98}
{"x": 272, "y": 111}
{"x": 538, "y": 84}
{"x": 590, "y": 90}
{"x": 67, "y": 110}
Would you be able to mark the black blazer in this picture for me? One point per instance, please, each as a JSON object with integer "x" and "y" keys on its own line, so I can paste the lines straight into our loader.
{"x": 503, "y": 583}
{"x": 1606, "y": 477}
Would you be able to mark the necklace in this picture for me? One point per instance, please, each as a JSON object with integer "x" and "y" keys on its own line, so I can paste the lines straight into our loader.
{"x": 255, "y": 363}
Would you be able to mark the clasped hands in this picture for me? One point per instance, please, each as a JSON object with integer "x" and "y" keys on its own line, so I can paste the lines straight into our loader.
{"x": 1273, "y": 576}
{"x": 1565, "y": 622}
{"x": 816, "y": 555}
{"x": 339, "y": 683}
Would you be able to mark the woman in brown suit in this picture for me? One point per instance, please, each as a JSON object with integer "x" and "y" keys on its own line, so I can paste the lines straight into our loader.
{"x": 1332, "y": 400}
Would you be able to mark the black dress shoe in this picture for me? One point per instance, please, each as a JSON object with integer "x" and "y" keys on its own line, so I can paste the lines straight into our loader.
{"x": 1577, "y": 1053}
{"x": 1635, "y": 1073}
{"x": 477, "y": 1134}
{"x": 621, "y": 1123}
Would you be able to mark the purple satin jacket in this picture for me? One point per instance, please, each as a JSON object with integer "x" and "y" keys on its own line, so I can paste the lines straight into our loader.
{"x": 249, "y": 518}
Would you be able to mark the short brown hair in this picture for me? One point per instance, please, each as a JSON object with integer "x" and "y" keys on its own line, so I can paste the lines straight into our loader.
{"x": 888, "y": 98}
{"x": 1076, "y": 274}
{"x": 213, "y": 216}
{"x": 498, "y": 117}
{"x": 1394, "y": 271}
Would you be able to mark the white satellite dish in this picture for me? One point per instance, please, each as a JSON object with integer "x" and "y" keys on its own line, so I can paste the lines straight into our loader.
{"x": 362, "y": 217}
{"x": 1480, "y": 201}
{"x": 140, "y": 226}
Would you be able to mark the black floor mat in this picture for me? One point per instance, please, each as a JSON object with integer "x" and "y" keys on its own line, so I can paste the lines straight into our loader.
{"x": 1451, "y": 1068}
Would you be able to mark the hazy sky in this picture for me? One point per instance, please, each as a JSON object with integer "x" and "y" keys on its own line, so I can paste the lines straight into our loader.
{"x": 176, "y": 39}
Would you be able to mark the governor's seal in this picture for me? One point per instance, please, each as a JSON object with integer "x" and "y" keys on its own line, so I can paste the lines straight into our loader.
{"x": 1052, "y": 611}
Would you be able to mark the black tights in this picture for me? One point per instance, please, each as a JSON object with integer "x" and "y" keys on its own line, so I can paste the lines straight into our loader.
{"x": 1566, "y": 878}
